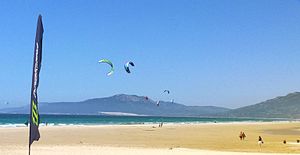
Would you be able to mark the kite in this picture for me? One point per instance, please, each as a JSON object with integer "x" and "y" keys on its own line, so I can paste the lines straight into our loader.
{"x": 109, "y": 63}
{"x": 126, "y": 66}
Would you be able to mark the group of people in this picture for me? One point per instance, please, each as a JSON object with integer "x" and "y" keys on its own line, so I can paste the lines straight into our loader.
{"x": 160, "y": 124}
{"x": 284, "y": 141}
{"x": 242, "y": 136}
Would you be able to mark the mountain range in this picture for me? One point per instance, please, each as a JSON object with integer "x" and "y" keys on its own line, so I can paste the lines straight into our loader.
{"x": 280, "y": 107}
{"x": 121, "y": 104}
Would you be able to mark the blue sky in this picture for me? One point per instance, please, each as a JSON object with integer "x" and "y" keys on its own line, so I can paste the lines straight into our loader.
{"x": 222, "y": 53}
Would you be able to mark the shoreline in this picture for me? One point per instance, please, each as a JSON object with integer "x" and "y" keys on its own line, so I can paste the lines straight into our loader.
{"x": 19, "y": 125}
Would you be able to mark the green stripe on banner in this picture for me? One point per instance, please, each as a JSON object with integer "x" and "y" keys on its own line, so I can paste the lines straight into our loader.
{"x": 35, "y": 116}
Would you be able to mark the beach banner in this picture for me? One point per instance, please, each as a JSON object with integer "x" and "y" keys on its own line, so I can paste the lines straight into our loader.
{"x": 34, "y": 134}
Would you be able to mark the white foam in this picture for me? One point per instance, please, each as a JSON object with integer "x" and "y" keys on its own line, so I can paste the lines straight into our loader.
{"x": 12, "y": 125}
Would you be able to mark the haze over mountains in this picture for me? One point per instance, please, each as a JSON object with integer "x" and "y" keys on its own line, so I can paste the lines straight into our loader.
{"x": 280, "y": 107}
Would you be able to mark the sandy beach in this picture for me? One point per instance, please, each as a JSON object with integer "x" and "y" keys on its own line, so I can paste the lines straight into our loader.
{"x": 210, "y": 139}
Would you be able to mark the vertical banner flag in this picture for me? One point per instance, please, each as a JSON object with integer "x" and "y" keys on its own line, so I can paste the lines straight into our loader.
{"x": 34, "y": 117}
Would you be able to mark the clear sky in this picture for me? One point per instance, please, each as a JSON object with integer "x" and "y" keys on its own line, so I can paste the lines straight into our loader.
{"x": 206, "y": 52}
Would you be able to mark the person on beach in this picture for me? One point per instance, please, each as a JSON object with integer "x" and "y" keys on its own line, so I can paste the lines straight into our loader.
{"x": 260, "y": 141}
{"x": 243, "y": 135}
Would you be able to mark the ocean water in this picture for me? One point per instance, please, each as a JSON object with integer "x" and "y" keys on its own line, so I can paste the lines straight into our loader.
{"x": 18, "y": 120}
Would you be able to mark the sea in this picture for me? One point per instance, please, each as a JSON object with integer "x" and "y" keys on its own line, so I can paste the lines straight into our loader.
{"x": 19, "y": 120}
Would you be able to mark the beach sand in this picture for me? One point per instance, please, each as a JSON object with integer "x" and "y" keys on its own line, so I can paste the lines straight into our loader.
{"x": 209, "y": 139}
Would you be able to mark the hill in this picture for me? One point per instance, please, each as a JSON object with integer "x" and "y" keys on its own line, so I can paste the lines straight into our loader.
{"x": 280, "y": 107}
